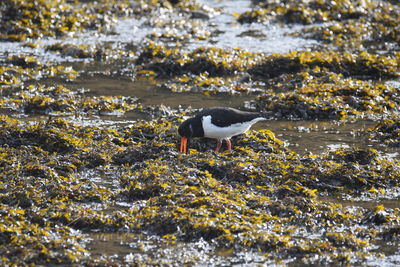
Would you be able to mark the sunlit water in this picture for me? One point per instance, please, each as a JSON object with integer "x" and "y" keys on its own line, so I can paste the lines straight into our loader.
{"x": 227, "y": 33}
{"x": 267, "y": 38}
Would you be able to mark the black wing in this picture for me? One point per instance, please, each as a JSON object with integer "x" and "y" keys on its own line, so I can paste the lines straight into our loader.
{"x": 223, "y": 117}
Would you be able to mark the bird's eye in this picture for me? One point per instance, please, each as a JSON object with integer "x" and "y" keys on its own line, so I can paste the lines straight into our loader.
{"x": 191, "y": 129}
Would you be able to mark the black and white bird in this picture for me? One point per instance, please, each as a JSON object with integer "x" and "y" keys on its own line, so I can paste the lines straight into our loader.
{"x": 220, "y": 123}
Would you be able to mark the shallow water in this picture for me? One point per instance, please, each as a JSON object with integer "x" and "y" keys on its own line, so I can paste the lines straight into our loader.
{"x": 225, "y": 30}
{"x": 300, "y": 136}
{"x": 134, "y": 248}
{"x": 150, "y": 94}
{"x": 255, "y": 37}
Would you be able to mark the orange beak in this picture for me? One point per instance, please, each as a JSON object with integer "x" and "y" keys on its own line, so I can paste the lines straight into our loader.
{"x": 183, "y": 144}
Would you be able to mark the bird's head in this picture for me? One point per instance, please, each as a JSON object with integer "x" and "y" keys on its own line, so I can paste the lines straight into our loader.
{"x": 186, "y": 131}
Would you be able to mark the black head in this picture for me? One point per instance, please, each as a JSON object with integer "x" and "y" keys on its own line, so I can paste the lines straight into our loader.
{"x": 186, "y": 131}
{"x": 186, "y": 128}
{"x": 190, "y": 128}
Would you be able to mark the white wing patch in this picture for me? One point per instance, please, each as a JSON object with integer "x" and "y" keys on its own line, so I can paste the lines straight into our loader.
{"x": 220, "y": 133}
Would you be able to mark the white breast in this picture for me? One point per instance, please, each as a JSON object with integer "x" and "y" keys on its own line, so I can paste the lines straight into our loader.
{"x": 220, "y": 133}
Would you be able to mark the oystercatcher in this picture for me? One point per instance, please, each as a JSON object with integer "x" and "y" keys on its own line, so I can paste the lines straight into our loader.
{"x": 220, "y": 123}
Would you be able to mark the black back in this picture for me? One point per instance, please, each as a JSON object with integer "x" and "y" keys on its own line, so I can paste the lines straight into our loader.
{"x": 223, "y": 116}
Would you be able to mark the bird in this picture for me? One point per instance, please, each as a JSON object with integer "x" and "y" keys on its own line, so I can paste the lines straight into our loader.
{"x": 220, "y": 123}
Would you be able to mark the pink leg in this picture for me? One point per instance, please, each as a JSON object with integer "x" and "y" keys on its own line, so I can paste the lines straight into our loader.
{"x": 219, "y": 144}
{"x": 228, "y": 143}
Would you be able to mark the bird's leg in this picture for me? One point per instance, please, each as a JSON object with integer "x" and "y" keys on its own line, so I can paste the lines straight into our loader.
{"x": 184, "y": 142}
{"x": 219, "y": 144}
{"x": 228, "y": 143}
